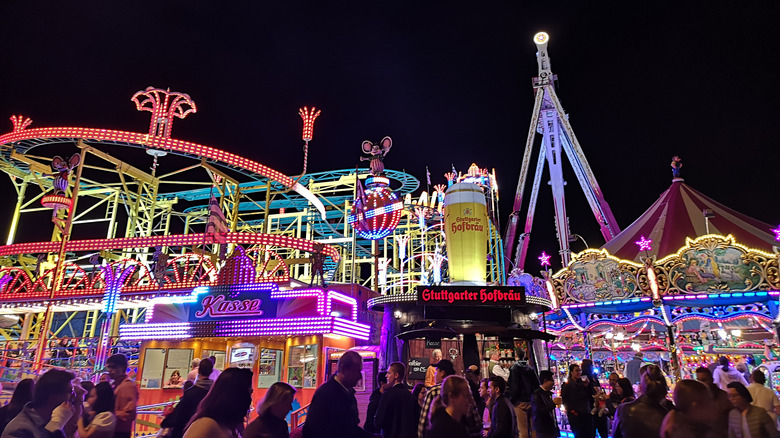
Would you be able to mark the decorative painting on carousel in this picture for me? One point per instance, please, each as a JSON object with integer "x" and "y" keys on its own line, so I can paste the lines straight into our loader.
{"x": 597, "y": 276}
{"x": 716, "y": 263}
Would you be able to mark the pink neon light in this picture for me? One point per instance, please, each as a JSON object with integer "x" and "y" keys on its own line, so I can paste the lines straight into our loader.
{"x": 544, "y": 259}
{"x": 308, "y": 116}
{"x": 158, "y": 102}
{"x": 777, "y": 233}
{"x": 644, "y": 244}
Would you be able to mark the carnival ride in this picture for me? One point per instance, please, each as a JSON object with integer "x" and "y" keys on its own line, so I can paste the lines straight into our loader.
{"x": 552, "y": 123}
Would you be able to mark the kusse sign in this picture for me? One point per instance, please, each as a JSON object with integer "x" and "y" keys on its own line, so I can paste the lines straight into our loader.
{"x": 471, "y": 295}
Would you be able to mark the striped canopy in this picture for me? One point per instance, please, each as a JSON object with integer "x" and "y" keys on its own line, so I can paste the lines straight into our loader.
{"x": 677, "y": 214}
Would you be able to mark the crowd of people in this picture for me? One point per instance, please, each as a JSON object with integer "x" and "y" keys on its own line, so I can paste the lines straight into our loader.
{"x": 517, "y": 404}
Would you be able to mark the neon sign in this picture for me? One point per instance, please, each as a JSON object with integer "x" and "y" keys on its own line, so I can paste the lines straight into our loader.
{"x": 217, "y": 306}
{"x": 471, "y": 295}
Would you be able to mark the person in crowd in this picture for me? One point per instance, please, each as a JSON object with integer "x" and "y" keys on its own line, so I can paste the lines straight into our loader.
{"x": 496, "y": 368}
{"x": 87, "y": 386}
{"x": 187, "y": 385}
{"x": 543, "y": 406}
{"x": 624, "y": 392}
{"x": 188, "y": 403}
{"x": 418, "y": 393}
{"x": 614, "y": 398}
{"x": 642, "y": 417}
{"x": 98, "y": 420}
{"x": 484, "y": 394}
{"x": 689, "y": 418}
{"x": 333, "y": 412}
{"x": 175, "y": 381}
{"x": 763, "y": 397}
{"x": 125, "y": 394}
{"x": 450, "y": 405}
{"x": 576, "y": 396}
{"x": 221, "y": 413}
{"x": 271, "y": 413}
{"x": 503, "y": 421}
{"x": 193, "y": 374}
{"x": 632, "y": 367}
{"x": 105, "y": 377}
{"x": 52, "y": 407}
{"x": 23, "y": 394}
{"x": 395, "y": 414}
{"x": 724, "y": 374}
{"x": 594, "y": 387}
{"x": 523, "y": 381}
{"x": 373, "y": 402}
{"x": 215, "y": 373}
{"x": 436, "y": 356}
{"x": 472, "y": 376}
{"x": 742, "y": 367}
{"x": 444, "y": 369}
{"x": 746, "y": 420}
{"x": 719, "y": 404}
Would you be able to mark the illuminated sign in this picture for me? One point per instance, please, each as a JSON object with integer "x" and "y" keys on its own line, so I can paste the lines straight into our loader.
{"x": 471, "y": 295}
{"x": 232, "y": 302}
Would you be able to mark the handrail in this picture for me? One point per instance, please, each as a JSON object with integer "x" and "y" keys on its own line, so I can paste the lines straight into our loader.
{"x": 296, "y": 414}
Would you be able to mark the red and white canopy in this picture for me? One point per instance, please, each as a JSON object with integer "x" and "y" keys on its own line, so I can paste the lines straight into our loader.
{"x": 677, "y": 214}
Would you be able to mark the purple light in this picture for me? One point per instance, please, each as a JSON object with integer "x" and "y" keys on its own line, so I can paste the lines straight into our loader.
{"x": 545, "y": 259}
{"x": 777, "y": 233}
{"x": 644, "y": 244}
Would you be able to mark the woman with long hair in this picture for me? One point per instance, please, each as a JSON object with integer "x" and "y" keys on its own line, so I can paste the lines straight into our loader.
{"x": 98, "y": 420}
{"x": 449, "y": 408}
{"x": 271, "y": 413}
{"x": 625, "y": 391}
{"x": 642, "y": 417}
{"x": 577, "y": 395}
{"x": 221, "y": 413}
{"x": 22, "y": 395}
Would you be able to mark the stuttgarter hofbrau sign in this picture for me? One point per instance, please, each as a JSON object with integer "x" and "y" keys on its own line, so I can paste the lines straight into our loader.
{"x": 471, "y": 295}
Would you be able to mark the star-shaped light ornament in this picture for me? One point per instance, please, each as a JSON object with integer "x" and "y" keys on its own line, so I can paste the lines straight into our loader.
{"x": 644, "y": 244}
{"x": 544, "y": 259}
{"x": 777, "y": 233}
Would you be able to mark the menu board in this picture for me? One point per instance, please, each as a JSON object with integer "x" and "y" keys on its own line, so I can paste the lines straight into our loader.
{"x": 154, "y": 364}
{"x": 269, "y": 367}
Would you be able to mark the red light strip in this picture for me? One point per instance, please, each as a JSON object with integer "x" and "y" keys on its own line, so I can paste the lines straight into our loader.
{"x": 170, "y": 240}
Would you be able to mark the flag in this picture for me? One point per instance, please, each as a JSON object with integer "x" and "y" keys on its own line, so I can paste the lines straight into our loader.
{"x": 217, "y": 224}
{"x": 454, "y": 172}
{"x": 428, "y": 175}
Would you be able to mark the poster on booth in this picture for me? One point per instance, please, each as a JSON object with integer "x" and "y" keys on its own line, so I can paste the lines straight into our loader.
{"x": 225, "y": 303}
{"x": 466, "y": 229}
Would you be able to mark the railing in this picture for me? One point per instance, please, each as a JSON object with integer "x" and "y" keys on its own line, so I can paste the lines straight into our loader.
{"x": 296, "y": 415}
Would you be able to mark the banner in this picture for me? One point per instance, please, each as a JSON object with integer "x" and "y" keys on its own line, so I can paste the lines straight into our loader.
{"x": 471, "y": 295}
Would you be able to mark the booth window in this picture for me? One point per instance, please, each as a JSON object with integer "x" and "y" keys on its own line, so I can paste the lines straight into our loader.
{"x": 302, "y": 366}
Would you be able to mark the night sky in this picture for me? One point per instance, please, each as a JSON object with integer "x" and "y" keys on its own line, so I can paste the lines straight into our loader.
{"x": 449, "y": 81}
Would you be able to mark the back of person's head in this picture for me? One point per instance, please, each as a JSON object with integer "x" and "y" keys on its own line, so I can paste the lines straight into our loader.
{"x": 195, "y": 363}
{"x": 653, "y": 383}
{"x": 519, "y": 353}
{"x": 350, "y": 361}
{"x": 87, "y": 385}
{"x": 213, "y": 359}
{"x": 689, "y": 394}
{"x": 499, "y": 383}
{"x": 205, "y": 367}
{"x": 187, "y": 385}
{"x": 381, "y": 378}
{"x": 400, "y": 369}
{"x": 446, "y": 366}
{"x": 228, "y": 400}
{"x": 117, "y": 361}
{"x": 546, "y": 375}
{"x": 587, "y": 367}
{"x": 277, "y": 393}
{"x": 627, "y": 387}
{"x": 724, "y": 361}
{"x": 23, "y": 393}
{"x": 105, "y": 398}
{"x": 52, "y": 384}
{"x": 451, "y": 386}
{"x": 417, "y": 390}
{"x": 758, "y": 376}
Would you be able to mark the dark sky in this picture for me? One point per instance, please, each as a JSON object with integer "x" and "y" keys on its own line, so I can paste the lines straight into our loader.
{"x": 449, "y": 81}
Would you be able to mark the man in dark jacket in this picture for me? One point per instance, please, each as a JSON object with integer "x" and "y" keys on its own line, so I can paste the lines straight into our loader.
{"x": 522, "y": 383}
{"x": 543, "y": 407}
{"x": 642, "y": 417}
{"x": 373, "y": 402}
{"x": 633, "y": 366}
{"x": 395, "y": 414}
{"x": 503, "y": 422}
{"x": 52, "y": 407}
{"x": 188, "y": 403}
{"x": 720, "y": 406}
{"x": 333, "y": 412}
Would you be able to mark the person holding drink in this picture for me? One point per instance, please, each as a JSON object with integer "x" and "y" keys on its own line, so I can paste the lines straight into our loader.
{"x": 543, "y": 406}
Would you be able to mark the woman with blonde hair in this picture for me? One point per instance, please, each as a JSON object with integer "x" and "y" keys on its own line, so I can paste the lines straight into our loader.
{"x": 449, "y": 408}
{"x": 271, "y": 413}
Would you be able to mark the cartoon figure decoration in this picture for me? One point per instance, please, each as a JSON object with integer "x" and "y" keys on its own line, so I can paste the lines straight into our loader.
{"x": 600, "y": 406}
{"x": 317, "y": 260}
{"x": 377, "y": 153}
{"x": 61, "y": 180}
{"x": 676, "y": 167}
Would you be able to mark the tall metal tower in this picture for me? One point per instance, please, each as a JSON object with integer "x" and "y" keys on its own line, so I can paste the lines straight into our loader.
{"x": 549, "y": 120}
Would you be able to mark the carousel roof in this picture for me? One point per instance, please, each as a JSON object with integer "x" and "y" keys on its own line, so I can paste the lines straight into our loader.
{"x": 677, "y": 214}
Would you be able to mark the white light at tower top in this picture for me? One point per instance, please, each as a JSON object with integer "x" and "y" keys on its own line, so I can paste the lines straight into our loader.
{"x": 541, "y": 38}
